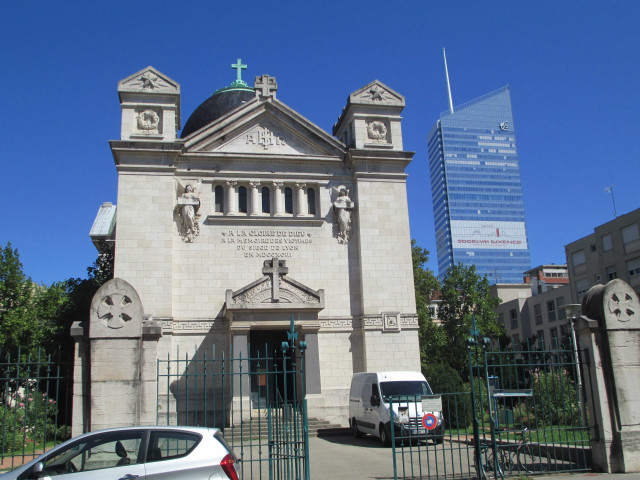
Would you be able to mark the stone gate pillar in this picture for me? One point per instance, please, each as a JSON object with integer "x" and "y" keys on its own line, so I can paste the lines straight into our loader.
{"x": 610, "y": 330}
{"x": 115, "y": 371}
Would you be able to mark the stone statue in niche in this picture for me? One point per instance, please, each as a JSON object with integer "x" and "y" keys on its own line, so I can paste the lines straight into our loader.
{"x": 342, "y": 207}
{"x": 187, "y": 208}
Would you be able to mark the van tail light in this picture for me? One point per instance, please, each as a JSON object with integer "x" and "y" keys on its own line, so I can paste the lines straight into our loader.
{"x": 227, "y": 465}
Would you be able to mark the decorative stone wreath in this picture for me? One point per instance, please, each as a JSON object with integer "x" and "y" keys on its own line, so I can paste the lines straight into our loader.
{"x": 377, "y": 130}
{"x": 148, "y": 120}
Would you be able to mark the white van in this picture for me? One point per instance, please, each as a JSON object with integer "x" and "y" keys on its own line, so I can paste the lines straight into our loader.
{"x": 369, "y": 400}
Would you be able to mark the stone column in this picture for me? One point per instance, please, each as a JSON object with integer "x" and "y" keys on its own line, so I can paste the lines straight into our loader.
{"x": 256, "y": 198}
{"x": 610, "y": 331}
{"x": 151, "y": 333}
{"x": 232, "y": 198}
{"x": 278, "y": 200}
{"x": 312, "y": 362}
{"x": 81, "y": 410}
{"x": 302, "y": 200}
{"x": 241, "y": 379}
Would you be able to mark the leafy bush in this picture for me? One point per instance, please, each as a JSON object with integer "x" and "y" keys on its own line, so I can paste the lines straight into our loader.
{"x": 456, "y": 399}
{"x": 555, "y": 398}
{"x": 28, "y": 419}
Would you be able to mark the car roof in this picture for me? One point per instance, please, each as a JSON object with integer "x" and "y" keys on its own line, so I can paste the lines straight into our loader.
{"x": 197, "y": 429}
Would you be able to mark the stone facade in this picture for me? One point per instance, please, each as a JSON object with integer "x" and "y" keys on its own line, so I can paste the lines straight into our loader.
{"x": 258, "y": 216}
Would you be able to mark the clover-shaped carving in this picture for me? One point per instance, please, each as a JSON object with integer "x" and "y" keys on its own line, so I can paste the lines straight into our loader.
{"x": 620, "y": 304}
{"x": 115, "y": 310}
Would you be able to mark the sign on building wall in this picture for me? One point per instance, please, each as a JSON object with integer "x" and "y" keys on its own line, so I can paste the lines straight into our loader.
{"x": 488, "y": 235}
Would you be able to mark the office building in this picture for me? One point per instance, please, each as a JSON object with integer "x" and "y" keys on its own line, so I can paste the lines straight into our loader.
{"x": 477, "y": 194}
{"x": 611, "y": 251}
{"x": 531, "y": 311}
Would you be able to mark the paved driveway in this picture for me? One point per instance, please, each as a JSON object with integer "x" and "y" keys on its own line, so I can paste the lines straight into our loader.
{"x": 365, "y": 458}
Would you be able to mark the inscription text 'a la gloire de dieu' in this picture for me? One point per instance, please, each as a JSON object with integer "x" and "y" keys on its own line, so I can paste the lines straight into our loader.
{"x": 265, "y": 243}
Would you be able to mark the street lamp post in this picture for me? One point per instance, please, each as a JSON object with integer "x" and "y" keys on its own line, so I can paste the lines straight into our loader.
{"x": 573, "y": 312}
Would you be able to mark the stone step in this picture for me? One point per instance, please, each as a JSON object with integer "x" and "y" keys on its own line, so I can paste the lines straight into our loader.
{"x": 259, "y": 429}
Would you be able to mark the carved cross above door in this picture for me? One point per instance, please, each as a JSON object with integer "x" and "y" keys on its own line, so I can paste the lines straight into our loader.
{"x": 275, "y": 268}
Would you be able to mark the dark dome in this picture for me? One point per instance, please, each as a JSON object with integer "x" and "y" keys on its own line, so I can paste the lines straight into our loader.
{"x": 217, "y": 105}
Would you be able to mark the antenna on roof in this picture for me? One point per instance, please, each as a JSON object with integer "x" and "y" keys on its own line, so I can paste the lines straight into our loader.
{"x": 610, "y": 190}
{"x": 446, "y": 71}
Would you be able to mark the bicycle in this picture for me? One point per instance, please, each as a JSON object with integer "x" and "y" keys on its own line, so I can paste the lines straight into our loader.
{"x": 519, "y": 457}
{"x": 530, "y": 457}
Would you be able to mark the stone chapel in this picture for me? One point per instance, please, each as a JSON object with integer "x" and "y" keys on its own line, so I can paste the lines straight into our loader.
{"x": 249, "y": 216}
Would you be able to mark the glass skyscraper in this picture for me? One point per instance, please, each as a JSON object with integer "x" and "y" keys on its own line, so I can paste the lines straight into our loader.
{"x": 477, "y": 195}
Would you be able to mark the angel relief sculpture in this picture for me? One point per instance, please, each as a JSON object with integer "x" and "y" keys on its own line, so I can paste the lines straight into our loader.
{"x": 342, "y": 207}
{"x": 187, "y": 207}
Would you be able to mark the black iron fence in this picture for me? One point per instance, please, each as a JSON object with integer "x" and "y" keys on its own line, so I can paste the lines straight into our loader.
{"x": 35, "y": 413}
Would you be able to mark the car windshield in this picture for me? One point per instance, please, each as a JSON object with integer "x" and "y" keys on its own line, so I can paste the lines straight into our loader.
{"x": 405, "y": 387}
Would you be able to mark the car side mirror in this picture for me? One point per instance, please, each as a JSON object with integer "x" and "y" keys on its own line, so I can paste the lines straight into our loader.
{"x": 38, "y": 470}
{"x": 375, "y": 401}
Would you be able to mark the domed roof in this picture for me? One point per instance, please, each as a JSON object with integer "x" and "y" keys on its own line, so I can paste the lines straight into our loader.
{"x": 218, "y": 105}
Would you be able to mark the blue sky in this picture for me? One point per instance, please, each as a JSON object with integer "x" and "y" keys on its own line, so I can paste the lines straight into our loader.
{"x": 573, "y": 69}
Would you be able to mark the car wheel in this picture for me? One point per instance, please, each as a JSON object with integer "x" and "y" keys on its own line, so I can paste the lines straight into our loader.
{"x": 439, "y": 439}
{"x": 354, "y": 428}
{"x": 384, "y": 436}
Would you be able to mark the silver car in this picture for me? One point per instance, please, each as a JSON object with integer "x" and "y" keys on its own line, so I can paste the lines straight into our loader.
{"x": 158, "y": 453}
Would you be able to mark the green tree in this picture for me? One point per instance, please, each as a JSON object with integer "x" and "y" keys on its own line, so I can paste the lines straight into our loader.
{"x": 29, "y": 312}
{"x": 426, "y": 284}
{"x": 465, "y": 294}
{"x": 80, "y": 292}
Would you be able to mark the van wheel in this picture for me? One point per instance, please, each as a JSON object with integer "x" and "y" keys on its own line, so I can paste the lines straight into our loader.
{"x": 384, "y": 436}
{"x": 354, "y": 429}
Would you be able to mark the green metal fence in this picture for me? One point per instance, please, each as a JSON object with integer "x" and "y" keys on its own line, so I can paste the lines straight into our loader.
{"x": 36, "y": 393}
{"x": 258, "y": 402}
{"x": 524, "y": 414}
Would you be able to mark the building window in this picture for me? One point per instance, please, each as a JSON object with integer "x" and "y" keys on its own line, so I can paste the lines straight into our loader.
{"x": 513, "y": 316}
{"x": 633, "y": 267}
{"x": 611, "y": 273}
{"x": 582, "y": 286}
{"x": 540, "y": 335}
{"x": 242, "y": 199}
{"x": 562, "y": 313}
{"x": 515, "y": 338}
{"x": 578, "y": 258}
{"x": 311, "y": 201}
{"x": 551, "y": 310}
{"x": 554, "y": 336}
{"x": 219, "y": 199}
{"x": 607, "y": 243}
{"x": 266, "y": 200}
{"x": 288, "y": 200}
{"x": 433, "y": 312}
{"x": 593, "y": 247}
{"x": 630, "y": 238}
{"x": 537, "y": 311}
{"x": 630, "y": 234}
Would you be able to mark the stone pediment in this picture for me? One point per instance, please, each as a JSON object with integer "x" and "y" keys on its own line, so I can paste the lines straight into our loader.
{"x": 275, "y": 291}
{"x": 377, "y": 93}
{"x": 149, "y": 80}
{"x": 265, "y": 128}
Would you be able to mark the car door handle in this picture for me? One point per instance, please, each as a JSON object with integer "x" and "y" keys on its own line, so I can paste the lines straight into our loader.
{"x": 129, "y": 476}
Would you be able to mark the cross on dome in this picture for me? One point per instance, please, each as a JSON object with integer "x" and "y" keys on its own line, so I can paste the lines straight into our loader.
{"x": 238, "y": 67}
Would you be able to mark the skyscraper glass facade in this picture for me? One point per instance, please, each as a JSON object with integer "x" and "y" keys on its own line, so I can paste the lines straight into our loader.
{"x": 477, "y": 194}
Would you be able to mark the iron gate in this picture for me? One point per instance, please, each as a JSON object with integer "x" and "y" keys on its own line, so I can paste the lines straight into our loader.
{"x": 257, "y": 401}
{"x": 523, "y": 414}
